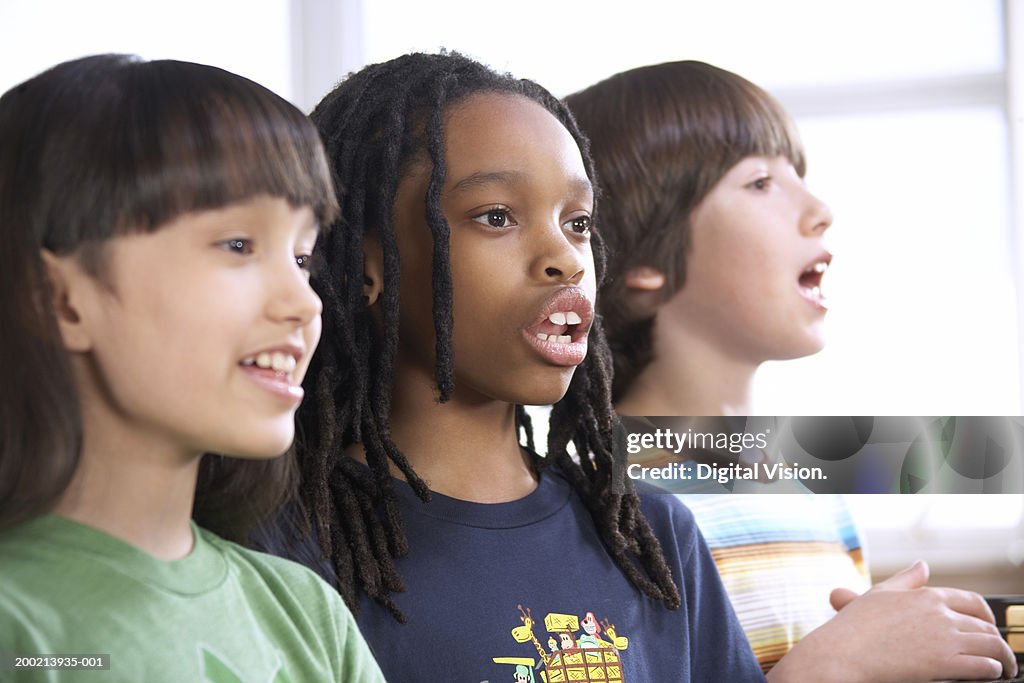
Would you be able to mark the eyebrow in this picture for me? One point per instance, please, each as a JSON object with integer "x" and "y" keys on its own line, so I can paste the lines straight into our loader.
{"x": 485, "y": 178}
{"x": 582, "y": 186}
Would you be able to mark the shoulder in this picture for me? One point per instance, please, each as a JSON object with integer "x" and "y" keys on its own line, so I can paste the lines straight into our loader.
{"x": 671, "y": 521}
{"x": 294, "y": 592}
{"x": 842, "y": 519}
{"x": 296, "y": 595}
{"x": 33, "y": 560}
{"x": 661, "y": 506}
{"x": 270, "y": 569}
{"x": 313, "y": 606}
{"x": 24, "y": 580}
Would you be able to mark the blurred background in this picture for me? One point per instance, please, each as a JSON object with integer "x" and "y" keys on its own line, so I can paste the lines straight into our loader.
{"x": 912, "y": 112}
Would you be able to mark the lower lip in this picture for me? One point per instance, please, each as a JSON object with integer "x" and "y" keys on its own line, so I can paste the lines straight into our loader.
{"x": 275, "y": 383}
{"x": 556, "y": 353}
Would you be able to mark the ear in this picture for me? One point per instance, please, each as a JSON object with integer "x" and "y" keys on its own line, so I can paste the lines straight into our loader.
{"x": 67, "y": 280}
{"x": 373, "y": 270}
{"x": 645, "y": 279}
{"x": 645, "y": 290}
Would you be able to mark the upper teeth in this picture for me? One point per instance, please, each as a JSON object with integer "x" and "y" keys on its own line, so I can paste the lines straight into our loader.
{"x": 277, "y": 361}
{"x": 819, "y": 267}
{"x": 565, "y": 318}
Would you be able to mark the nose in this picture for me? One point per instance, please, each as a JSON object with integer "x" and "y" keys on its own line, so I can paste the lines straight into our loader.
{"x": 559, "y": 259}
{"x": 292, "y": 299}
{"x": 816, "y": 217}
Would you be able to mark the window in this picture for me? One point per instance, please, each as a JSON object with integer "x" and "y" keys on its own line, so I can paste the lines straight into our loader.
{"x": 253, "y": 40}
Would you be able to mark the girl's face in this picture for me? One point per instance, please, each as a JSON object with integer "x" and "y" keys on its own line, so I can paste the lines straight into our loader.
{"x": 200, "y": 336}
{"x": 755, "y": 265}
{"x": 518, "y": 200}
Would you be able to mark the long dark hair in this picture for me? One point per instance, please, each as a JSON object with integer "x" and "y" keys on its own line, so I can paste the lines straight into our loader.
{"x": 662, "y": 136}
{"x": 374, "y": 124}
{"x": 109, "y": 145}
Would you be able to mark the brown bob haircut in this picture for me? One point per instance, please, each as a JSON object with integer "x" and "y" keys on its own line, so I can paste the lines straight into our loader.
{"x": 105, "y": 146}
{"x": 661, "y": 137}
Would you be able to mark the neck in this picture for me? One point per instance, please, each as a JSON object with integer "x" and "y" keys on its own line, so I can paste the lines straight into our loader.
{"x": 132, "y": 488}
{"x": 690, "y": 376}
{"x": 466, "y": 448}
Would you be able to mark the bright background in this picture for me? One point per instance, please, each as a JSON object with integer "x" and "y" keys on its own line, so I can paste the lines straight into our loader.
{"x": 912, "y": 112}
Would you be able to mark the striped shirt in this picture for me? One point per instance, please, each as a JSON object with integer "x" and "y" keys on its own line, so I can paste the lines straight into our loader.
{"x": 780, "y": 555}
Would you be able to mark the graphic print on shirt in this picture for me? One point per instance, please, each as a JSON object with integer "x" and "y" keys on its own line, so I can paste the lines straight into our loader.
{"x": 590, "y": 657}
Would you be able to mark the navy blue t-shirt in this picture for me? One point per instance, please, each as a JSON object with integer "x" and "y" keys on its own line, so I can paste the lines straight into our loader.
{"x": 525, "y": 591}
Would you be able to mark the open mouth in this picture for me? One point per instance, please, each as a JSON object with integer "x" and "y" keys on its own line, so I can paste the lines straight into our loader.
{"x": 565, "y": 318}
{"x": 282, "y": 364}
{"x": 811, "y": 277}
{"x": 274, "y": 370}
{"x": 562, "y": 327}
{"x": 560, "y": 331}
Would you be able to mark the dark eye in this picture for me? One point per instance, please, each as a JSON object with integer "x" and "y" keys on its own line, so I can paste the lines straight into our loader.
{"x": 304, "y": 261}
{"x": 495, "y": 218}
{"x": 579, "y": 224}
{"x": 761, "y": 183}
{"x": 238, "y": 245}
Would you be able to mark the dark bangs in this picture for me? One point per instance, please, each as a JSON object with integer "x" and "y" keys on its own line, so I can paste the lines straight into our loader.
{"x": 729, "y": 118}
{"x": 699, "y": 121}
{"x": 141, "y": 151}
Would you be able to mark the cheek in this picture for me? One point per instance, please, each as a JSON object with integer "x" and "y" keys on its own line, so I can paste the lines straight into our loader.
{"x": 733, "y": 262}
{"x": 133, "y": 318}
{"x": 710, "y": 276}
{"x": 201, "y": 317}
{"x": 415, "y": 271}
{"x": 485, "y": 274}
{"x": 589, "y": 282}
{"x": 312, "y": 333}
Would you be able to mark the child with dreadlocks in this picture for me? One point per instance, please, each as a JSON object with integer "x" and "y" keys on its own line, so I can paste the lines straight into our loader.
{"x": 715, "y": 266}
{"x": 459, "y": 285}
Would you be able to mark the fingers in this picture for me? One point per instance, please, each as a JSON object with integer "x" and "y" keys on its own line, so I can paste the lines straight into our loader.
{"x": 966, "y": 602}
{"x": 841, "y": 597}
{"x": 983, "y": 656}
{"x": 914, "y": 576}
{"x": 996, "y": 648}
{"x": 971, "y": 667}
{"x": 968, "y": 624}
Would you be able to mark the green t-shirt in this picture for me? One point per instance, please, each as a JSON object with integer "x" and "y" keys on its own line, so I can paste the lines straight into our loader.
{"x": 223, "y": 614}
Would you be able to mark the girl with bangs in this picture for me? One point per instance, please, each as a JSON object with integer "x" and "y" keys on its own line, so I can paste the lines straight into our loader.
{"x": 716, "y": 263}
{"x": 158, "y": 220}
{"x": 459, "y": 286}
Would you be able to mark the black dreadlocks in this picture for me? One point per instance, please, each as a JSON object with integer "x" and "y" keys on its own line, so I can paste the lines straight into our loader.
{"x": 373, "y": 124}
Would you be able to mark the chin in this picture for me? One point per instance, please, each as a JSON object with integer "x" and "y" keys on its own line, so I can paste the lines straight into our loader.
{"x": 261, "y": 444}
{"x": 815, "y": 341}
{"x": 545, "y": 389}
{"x": 801, "y": 348}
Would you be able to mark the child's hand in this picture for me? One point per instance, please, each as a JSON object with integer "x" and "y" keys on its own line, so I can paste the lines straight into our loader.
{"x": 902, "y": 631}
